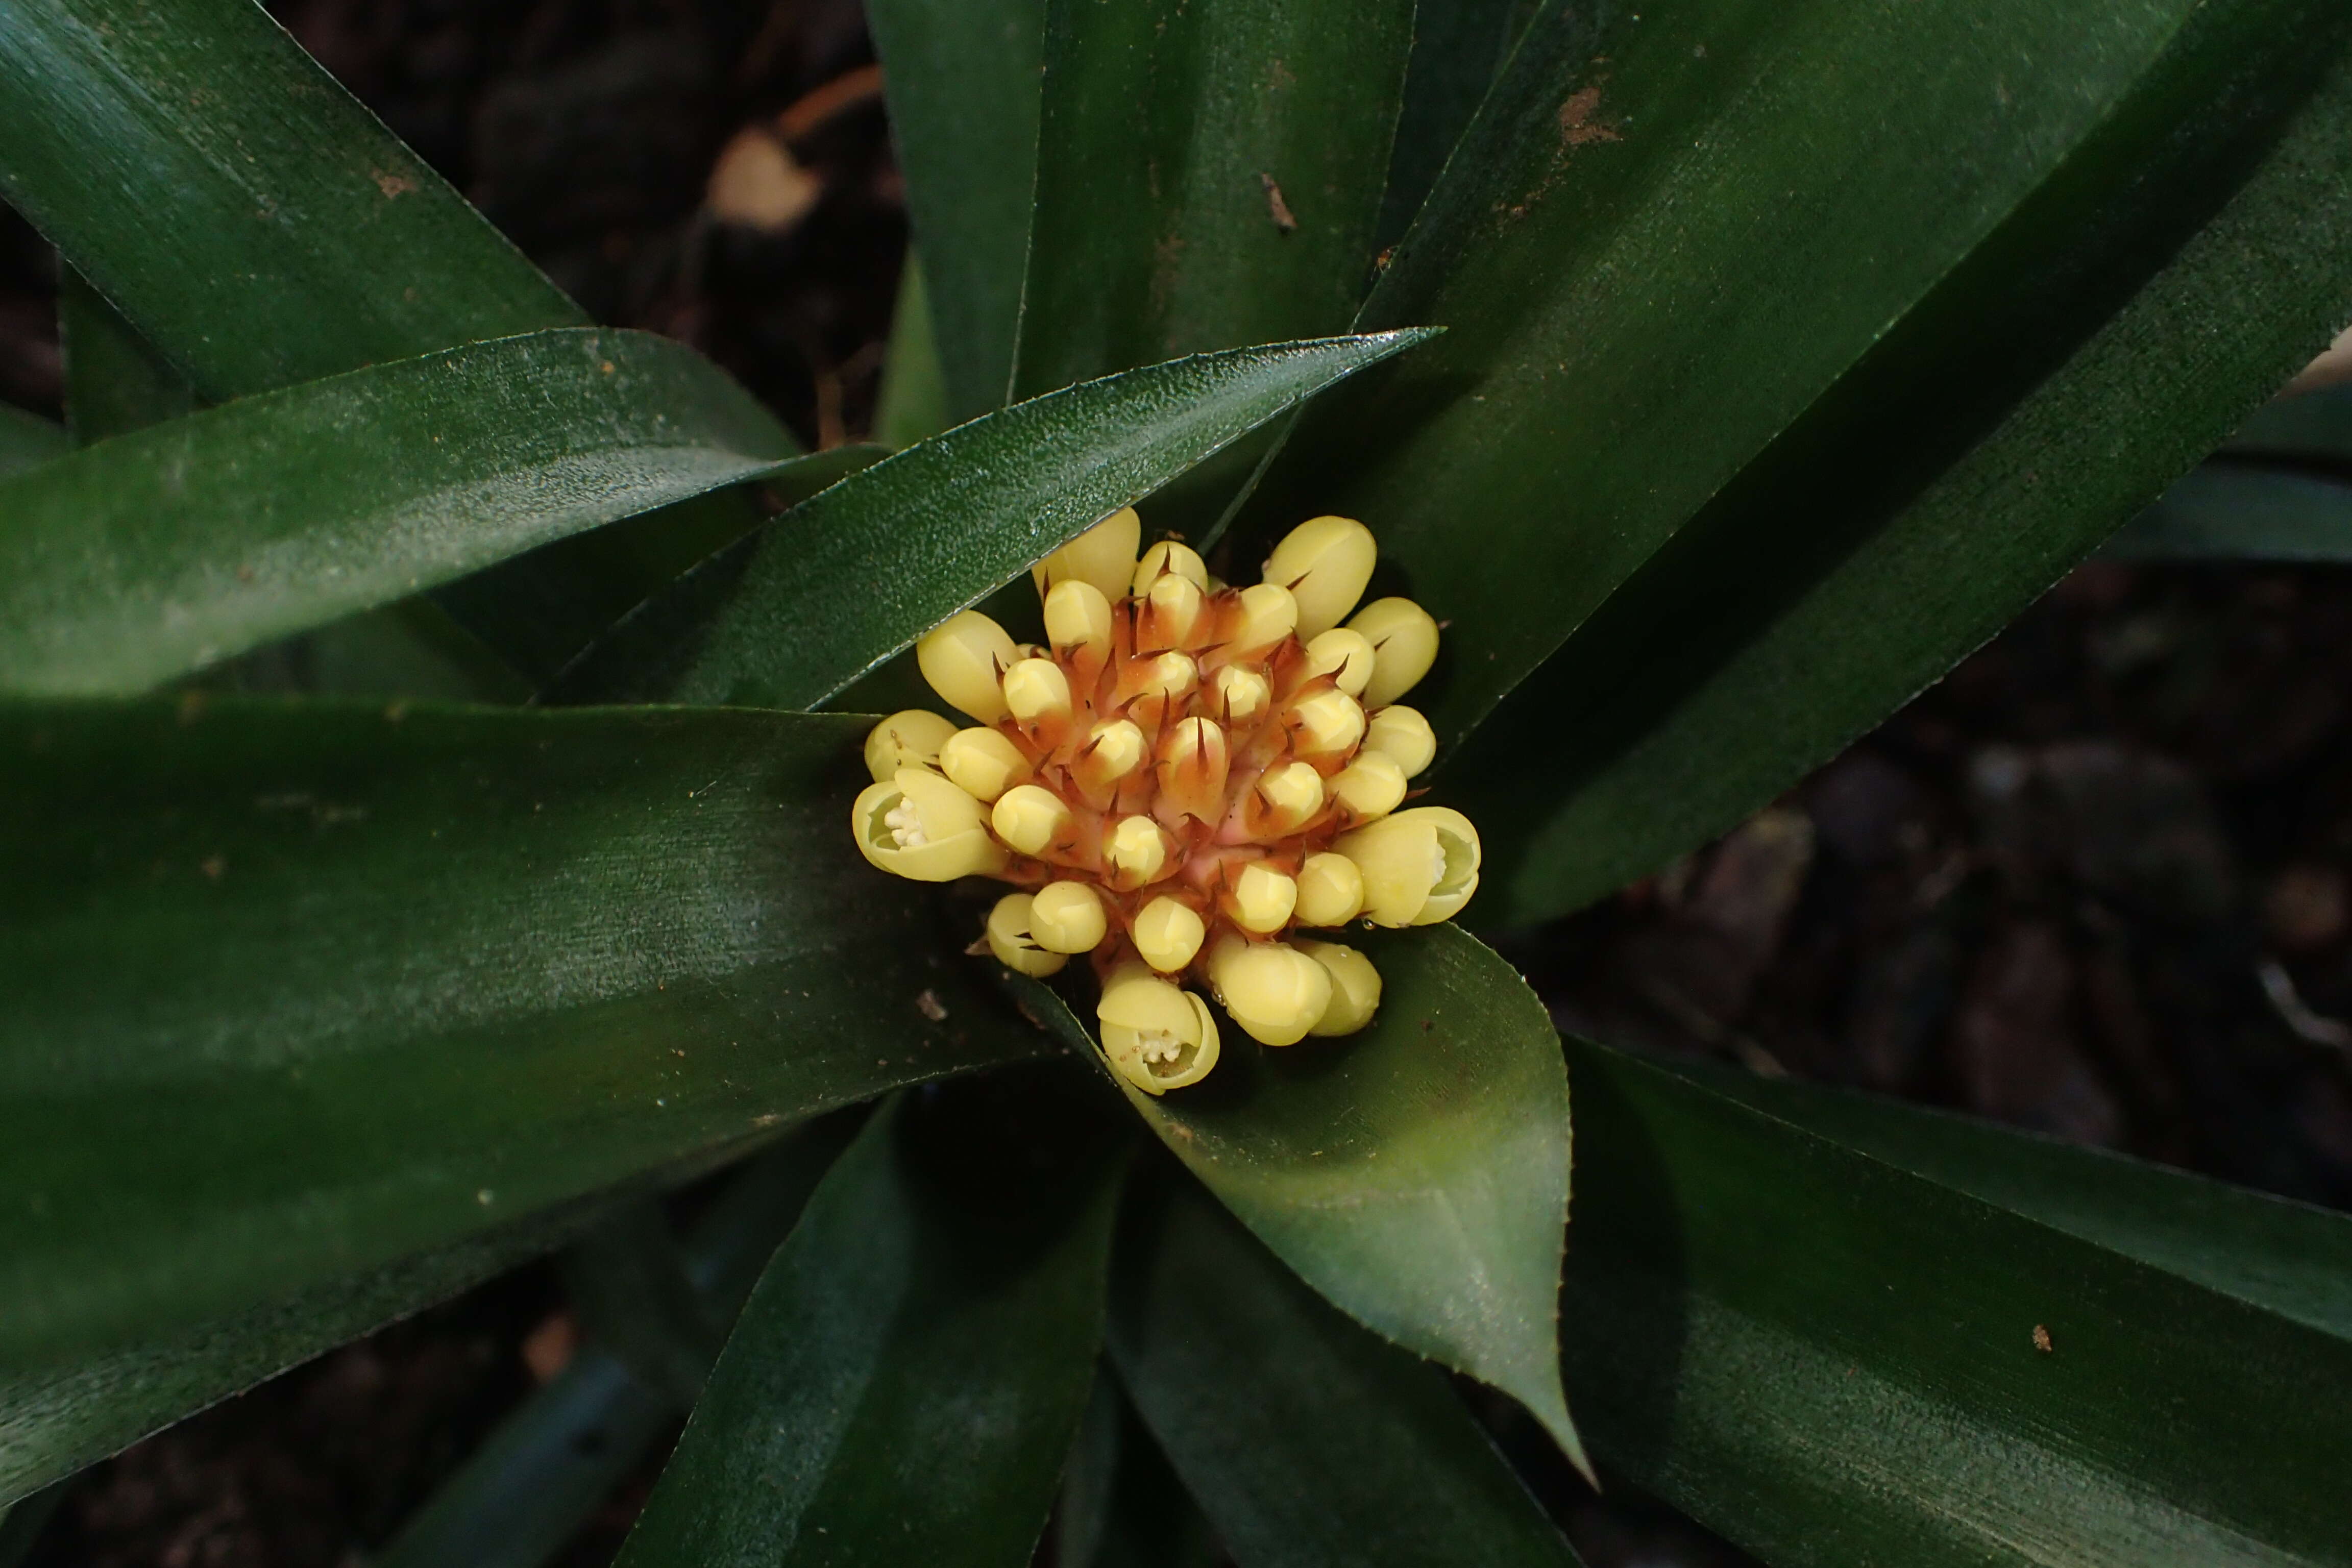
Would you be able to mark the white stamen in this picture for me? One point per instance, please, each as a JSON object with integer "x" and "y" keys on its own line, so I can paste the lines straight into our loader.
{"x": 1159, "y": 1046}
{"x": 906, "y": 826}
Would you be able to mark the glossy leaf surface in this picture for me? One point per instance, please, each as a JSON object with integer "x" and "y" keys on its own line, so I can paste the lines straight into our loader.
{"x": 305, "y": 239}
{"x": 904, "y": 1382}
{"x": 1617, "y": 258}
{"x": 1209, "y": 175}
{"x": 1843, "y": 1350}
{"x": 1417, "y": 1172}
{"x": 437, "y": 968}
{"x": 167, "y": 549}
{"x": 841, "y": 584}
{"x": 963, "y": 78}
{"x": 1307, "y": 1440}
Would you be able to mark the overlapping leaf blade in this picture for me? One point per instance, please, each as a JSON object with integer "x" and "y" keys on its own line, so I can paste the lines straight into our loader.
{"x": 1415, "y": 1174}
{"x": 2244, "y": 512}
{"x": 188, "y": 541}
{"x": 2010, "y": 1356}
{"x": 963, "y": 79}
{"x": 1209, "y": 175}
{"x": 1308, "y": 1442}
{"x": 838, "y": 586}
{"x": 27, "y": 440}
{"x": 1621, "y": 249}
{"x": 431, "y": 969}
{"x": 904, "y": 1382}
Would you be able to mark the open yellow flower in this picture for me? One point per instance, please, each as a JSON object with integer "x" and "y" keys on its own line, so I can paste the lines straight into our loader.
{"x": 1184, "y": 776}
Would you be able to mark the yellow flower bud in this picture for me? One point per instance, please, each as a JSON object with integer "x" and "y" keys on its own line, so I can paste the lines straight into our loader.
{"x": 920, "y": 827}
{"x": 1157, "y": 1036}
{"x": 1166, "y": 557}
{"x": 1103, "y": 556}
{"x": 1401, "y": 732}
{"x": 982, "y": 763}
{"x": 1170, "y": 675}
{"x": 1292, "y": 793}
{"x": 1328, "y": 724}
{"x": 1030, "y": 817}
{"x": 1138, "y": 851}
{"x": 1077, "y": 615}
{"x": 1036, "y": 689}
{"x": 1169, "y": 933}
{"x": 1275, "y": 992}
{"x": 1172, "y": 613}
{"x": 1067, "y": 917}
{"x": 908, "y": 740}
{"x": 1344, "y": 656}
{"x": 1355, "y": 987}
{"x": 1242, "y": 693}
{"x": 1010, "y": 940}
{"x": 1114, "y": 748}
{"x": 1404, "y": 643}
{"x": 1325, "y": 563}
{"x": 1193, "y": 768}
{"x": 1420, "y": 866}
{"x": 1262, "y": 898}
{"x": 1268, "y": 614}
{"x": 964, "y": 657}
{"x": 1372, "y": 785}
{"x": 1330, "y": 891}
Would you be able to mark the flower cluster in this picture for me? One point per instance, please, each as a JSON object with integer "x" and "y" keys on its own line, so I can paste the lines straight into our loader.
{"x": 1184, "y": 774}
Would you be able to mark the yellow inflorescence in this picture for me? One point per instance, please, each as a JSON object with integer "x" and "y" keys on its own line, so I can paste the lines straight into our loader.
{"x": 1181, "y": 777}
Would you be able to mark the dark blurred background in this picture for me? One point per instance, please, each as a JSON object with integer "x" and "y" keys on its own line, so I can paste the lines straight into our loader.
{"x": 2092, "y": 883}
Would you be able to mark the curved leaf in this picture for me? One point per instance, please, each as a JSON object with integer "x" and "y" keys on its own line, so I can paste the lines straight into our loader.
{"x": 839, "y": 584}
{"x": 963, "y": 79}
{"x": 305, "y": 239}
{"x": 1307, "y": 1440}
{"x": 27, "y": 440}
{"x": 1458, "y": 47}
{"x": 1415, "y": 1174}
{"x": 162, "y": 550}
{"x": 114, "y": 380}
{"x": 2246, "y": 511}
{"x": 1920, "y": 1346}
{"x": 437, "y": 968}
{"x": 907, "y": 1378}
{"x": 1209, "y": 175}
{"x": 1780, "y": 648}
{"x": 913, "y": 402}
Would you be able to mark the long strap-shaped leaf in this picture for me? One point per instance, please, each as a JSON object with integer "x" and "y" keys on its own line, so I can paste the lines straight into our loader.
{"x": 839, "y": 584}
{"x": 1699, "y": 289}
{"x": 2242, "y": 511}
{"x": 298, "y": 989}
{"x": 251, "y": 220}
{"x": 1308, "y": 1442}
{"x": 27, "y": 440}
{"x": 1842, "y": 1347}
{"x": 963, "y": 78}
{"x": 906, "y": 1379}
{"x": 162, "y": 550}
{"x": 1416, "y": 1174}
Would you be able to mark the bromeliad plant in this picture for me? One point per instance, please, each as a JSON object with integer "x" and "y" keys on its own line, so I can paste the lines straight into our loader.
{"x": 1787, "y": 350}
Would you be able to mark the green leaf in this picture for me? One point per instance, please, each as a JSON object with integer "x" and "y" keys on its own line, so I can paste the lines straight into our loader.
{"x": 839, "y": 584}
{"x": 1416, "y": 1174}
{"x": 553, "y": 1460}
{"x": 58, "y": 1415}
{"x": 1209, "y": 173}
{"x": 1122, "y": 1505}
{"x": 1458, "y": 46}
{"x": 907, "y": 1376}
{"x": 2314, "y": 428}
{"x": 115, "y": 381}
{"x": 303, "y": 238}
{"x": 913, "y": 404}
{"x": 27, "y": 440}
{"x": 1817, "y": 1326}
{"x": 167, "y": 549}
{"x": 1987, "y": 372}
{"x": 434, "y": 968}
{"x": 1307, "y": 1441}
{"x": 2245, "y": 511}
{"x": 21, "y": 1524}
{"x": 962, "y": 81}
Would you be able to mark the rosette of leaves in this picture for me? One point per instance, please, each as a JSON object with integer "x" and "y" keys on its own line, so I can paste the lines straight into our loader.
{"x": 421, "y": 826}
